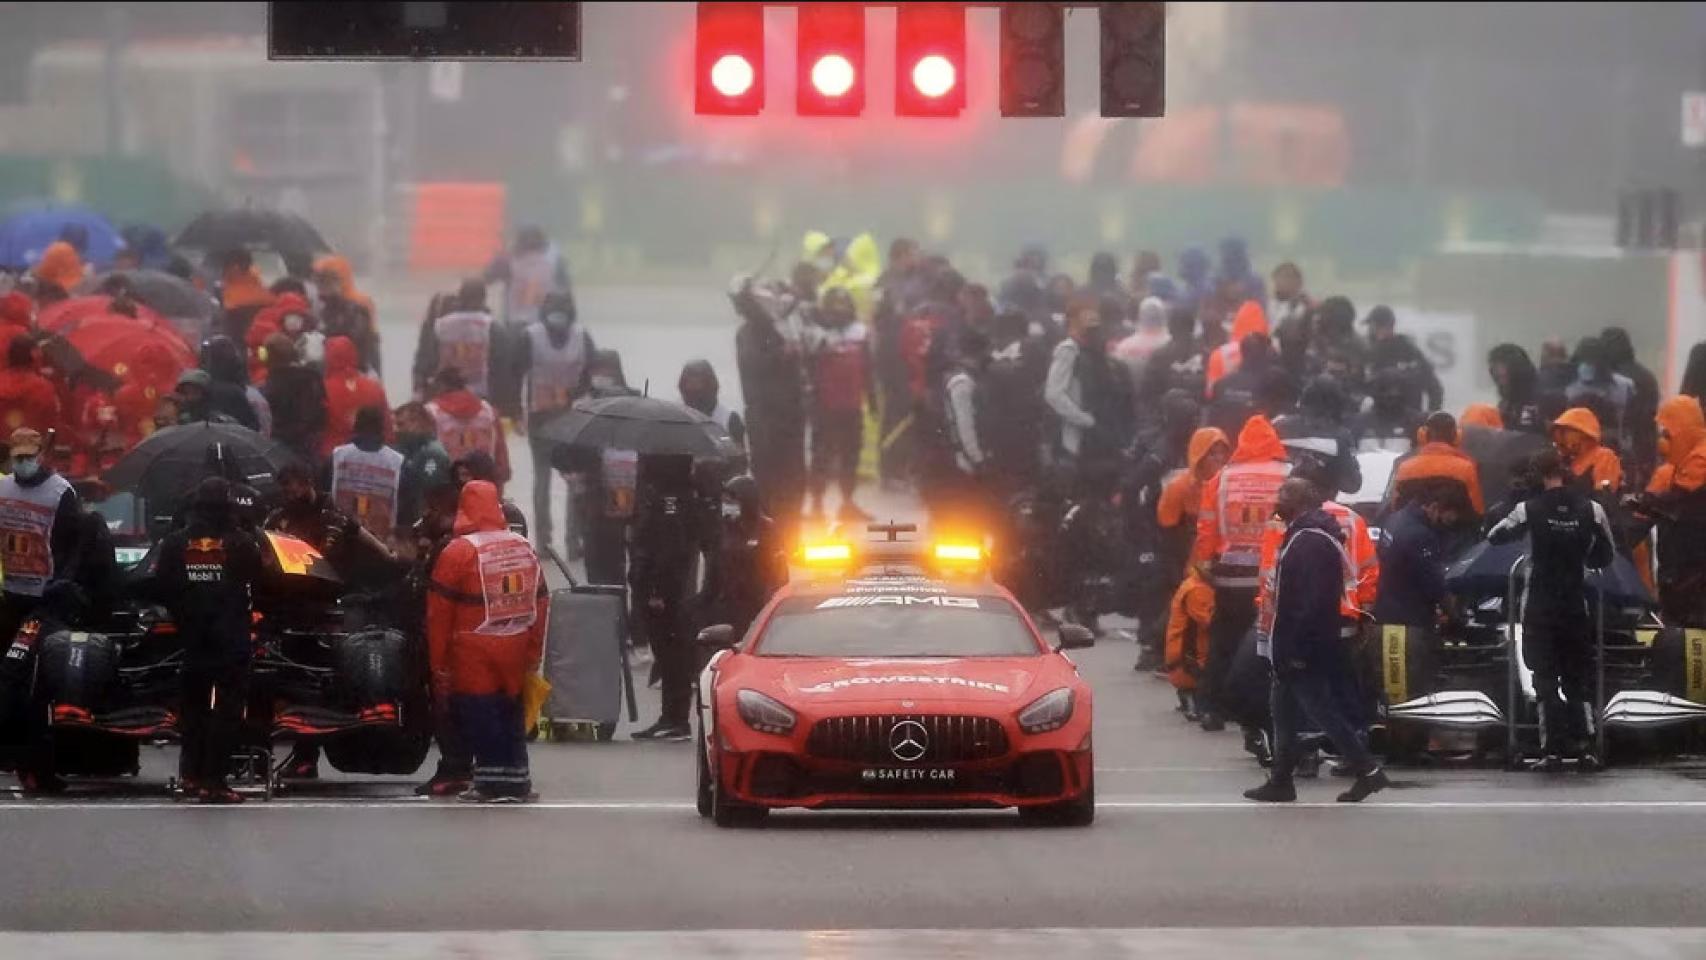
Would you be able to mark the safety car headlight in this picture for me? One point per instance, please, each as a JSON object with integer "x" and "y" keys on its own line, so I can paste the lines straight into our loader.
{"x": 764, "y": 714}
{"x": 1047, "y": 712}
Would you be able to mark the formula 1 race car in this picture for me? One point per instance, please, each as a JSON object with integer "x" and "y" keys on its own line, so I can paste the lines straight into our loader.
{"x": 322, "y": 670}
{"x": 894, "y": 675}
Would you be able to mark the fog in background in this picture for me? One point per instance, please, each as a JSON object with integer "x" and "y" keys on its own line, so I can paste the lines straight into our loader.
{"x": 1379, "y": 145}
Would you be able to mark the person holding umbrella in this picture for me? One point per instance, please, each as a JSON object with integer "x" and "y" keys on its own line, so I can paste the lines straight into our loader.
{"x": 665, "y": 542}
{"x": 345, "y": 311}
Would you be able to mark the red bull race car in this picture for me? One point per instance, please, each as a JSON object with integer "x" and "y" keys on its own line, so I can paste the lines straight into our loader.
{"x": 894, "y": 675}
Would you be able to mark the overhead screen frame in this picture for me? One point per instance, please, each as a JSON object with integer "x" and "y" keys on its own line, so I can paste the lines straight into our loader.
{"x": 527, "y": 30}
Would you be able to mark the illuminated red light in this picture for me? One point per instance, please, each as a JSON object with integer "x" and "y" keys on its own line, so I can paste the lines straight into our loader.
{"x": 832, "y": 75}
{"x": 732, "y": 75}
{"x": 934, "y": 76}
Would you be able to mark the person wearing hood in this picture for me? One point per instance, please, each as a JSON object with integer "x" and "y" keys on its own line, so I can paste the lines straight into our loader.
{"x": 348, "y": 392}
{"x": 1236, "y": 397}
{"x": 153, "y": 375}
{"x": 554, "y": 357}
{"x": 750, "y": 561}
{"x": 27, "y": 399}
{"x": 1313, "y": 678}
{"x": 207, "y": 571}
{"x": 1643, "y": 405}
{"x": 1317, "y": 432}
{"x": 1608, "y": 393}
{"x": 1236, "y": 274}
{"x": 1673, "y": 501}
{"x": 1393, "y": 356}
{"x": 347, "y": 312}
{"x": 467, "y": 424}
{"x": 839, "y": 360}
{"x": 530, "y": 270}
{"x": 297, "y": 396}
{"x": 1483, "y": 415}
{"x": 487, "y": 609}
{"x": 699, "y": 389}
{"x": 1227, "y": 358}
{"x": 1234, "y": 511}
{"x": 1694, "y": 374}
{"x": 1440, "y": 462}
{"x": 605, "y": 378}
{"x": 1567, "y": 532}
{"x": 1518, "y": 384}
{"x": 1176, "y": 523}
{"x": 772, "y": 380}
{"x": 58, "y": 273}
{"x": 1576, "y": 434}
{"x": 1194, "y": 267}
{"x": 228, "y": 391}
{"x": 1136, "y": 350}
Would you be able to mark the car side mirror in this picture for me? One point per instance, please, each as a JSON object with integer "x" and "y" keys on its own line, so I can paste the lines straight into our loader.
{"x": 1075, "y": 637}
{"x": 718, "y": 637}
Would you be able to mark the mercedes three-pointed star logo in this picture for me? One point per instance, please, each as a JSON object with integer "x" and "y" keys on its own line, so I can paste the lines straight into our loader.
{"x": 909, "y": 741}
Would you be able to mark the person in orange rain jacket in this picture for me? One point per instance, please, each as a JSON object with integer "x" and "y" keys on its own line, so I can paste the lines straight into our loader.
{"x": 242, "y": 294}
{"x": 27, "y": 399}
{"x": 1576, "y": 435}
{"x": 348, "y": 390}
{"x": 1188, "y": 623}
{"x": 17, "y": 316}
{"x": 487, "y": 607}
{"x": 466, "y": 424}
{"x": 1439, "y": 458}
{"x": 1228, "y": 357}
{"x": 1682, "y": 447}
{"x": 1482, "y": 415}
{"x": 154, "y": 374}
{"x": 58, "y": 272}
{"x": 1672, "y": 503}
{"x": 346, "y": 311}
{"x": 1181, "y": 496}
{"x": 1237, "y": 504}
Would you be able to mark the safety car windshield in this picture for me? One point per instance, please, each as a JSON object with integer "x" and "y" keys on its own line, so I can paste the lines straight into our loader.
{"x": 896, "y": 624}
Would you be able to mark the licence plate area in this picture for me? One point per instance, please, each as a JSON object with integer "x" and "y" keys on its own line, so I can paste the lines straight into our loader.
{"x": 909, "y": 775}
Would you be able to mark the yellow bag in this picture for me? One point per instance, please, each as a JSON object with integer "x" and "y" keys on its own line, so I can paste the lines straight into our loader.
{"x": 535, "y": 690}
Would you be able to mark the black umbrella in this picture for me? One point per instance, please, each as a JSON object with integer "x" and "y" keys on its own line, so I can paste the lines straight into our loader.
{"x": 1485, "y": 569}
{"x": 642, "y": 424}
{"x": 166, "y": 467}
{"x": 175, "y": 298}
{"x": 1500, "y": 455}
{"x": 253, "y": 228}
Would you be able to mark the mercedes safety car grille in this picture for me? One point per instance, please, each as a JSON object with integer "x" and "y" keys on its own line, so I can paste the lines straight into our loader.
{"x": 890, "y": 738}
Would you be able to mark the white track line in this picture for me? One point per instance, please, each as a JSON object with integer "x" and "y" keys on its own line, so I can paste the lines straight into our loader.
{"x": 670, "y": 806}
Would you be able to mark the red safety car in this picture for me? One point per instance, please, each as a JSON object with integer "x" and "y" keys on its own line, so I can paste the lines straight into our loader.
{"x": 894, "y": 675}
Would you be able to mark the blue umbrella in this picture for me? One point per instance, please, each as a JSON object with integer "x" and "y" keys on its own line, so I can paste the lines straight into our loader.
{"x": 28, "y": 232}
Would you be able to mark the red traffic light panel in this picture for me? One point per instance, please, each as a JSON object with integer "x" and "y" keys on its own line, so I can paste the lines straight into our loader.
{"x": 930, "y": 59}
{"x": 830, "y": 60}
{"x": 728, "y": 59}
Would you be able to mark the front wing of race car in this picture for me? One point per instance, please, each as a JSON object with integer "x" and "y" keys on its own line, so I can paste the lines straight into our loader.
{"x": 957, "y": 755}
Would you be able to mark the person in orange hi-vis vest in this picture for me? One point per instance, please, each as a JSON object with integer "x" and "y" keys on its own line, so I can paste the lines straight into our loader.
{"x": 487, "y": 607}
{"x": 1237, "y": 504}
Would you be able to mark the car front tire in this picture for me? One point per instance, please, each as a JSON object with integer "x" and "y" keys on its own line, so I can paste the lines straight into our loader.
{"x": 1077, "y": 812}
{"x": 730, "y": 813}
{"x": 702, "y": 800}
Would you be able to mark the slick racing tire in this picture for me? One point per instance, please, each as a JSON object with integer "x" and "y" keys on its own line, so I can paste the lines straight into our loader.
{"x": 1078, "y": 812}
{"x": 702, "y": 798}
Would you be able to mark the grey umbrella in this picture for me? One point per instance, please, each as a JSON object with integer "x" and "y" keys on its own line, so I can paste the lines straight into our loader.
{"x": 189, "y": 309}
{"x": 642, "y": 424}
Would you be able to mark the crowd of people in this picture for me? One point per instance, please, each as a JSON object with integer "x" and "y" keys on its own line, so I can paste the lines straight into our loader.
{"x": 1171, "y": 447}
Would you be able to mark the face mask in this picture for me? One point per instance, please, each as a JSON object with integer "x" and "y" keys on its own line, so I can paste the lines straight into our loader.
{"x": 1584, "y": 372}
{"x": 731, "y": 511}
{"x": 26, "y": 468}
{"x": 557, "y": 322}
{"x": 293, "y": 323}
{"x": 604, "y": 383}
